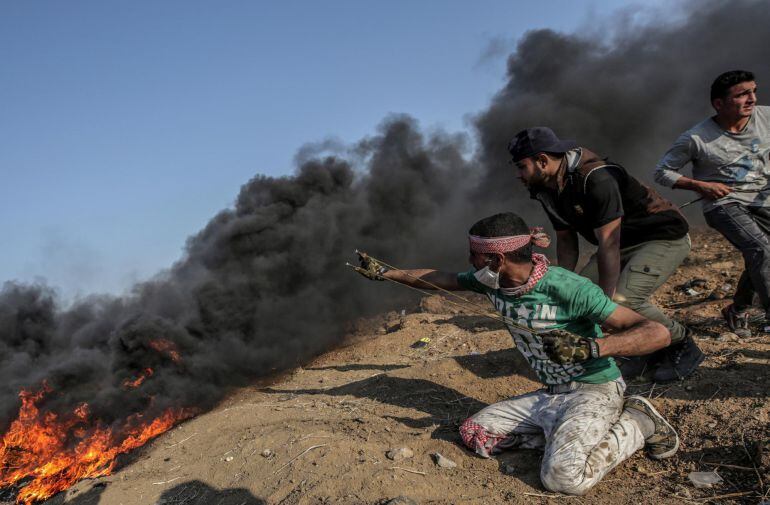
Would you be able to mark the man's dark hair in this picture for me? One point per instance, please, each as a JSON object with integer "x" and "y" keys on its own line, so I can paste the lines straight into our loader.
{"x": 725, "y": 81}
{"x": 504, "y": 225}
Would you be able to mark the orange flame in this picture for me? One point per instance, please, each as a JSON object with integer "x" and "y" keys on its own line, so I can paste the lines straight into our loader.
{"x": 166, "y": 347}
{"x": 54, "y": 452}
{"x": 135, "y": 383}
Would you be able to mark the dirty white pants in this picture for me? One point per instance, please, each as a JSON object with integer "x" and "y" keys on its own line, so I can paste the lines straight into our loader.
{"x": 584, "y": 432}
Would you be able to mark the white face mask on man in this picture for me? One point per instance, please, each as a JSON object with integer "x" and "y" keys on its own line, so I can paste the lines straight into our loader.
{"x": 488, "y": 278}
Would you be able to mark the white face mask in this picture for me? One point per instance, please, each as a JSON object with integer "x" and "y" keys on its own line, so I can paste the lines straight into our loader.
{"x": 488, "y": 278}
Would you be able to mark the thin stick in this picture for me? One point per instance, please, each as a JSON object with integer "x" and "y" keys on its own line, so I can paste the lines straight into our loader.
{"x": 724, "y": 465}
{"x": 746, "y": 450}
{"x": 315, "y": 436}
{"x": 550, "y": 495}
{"x": 185, "y": 440}
{"x": 166, "y": 481}
{"x": 407, "y": 470}
{"x": 729, "y": 495}
{"x": 298, "y": 455}
{"x": 649, "y": 474}
{"x": 684, "y": 499}
{"x": 686, "y": 204}
{"x": 651, "y": 390}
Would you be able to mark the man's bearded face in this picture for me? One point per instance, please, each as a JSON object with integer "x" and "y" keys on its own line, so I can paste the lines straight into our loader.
{"x": 530, "y": 173}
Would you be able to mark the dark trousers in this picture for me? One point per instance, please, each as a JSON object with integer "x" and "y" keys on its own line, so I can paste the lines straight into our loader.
{"x": 748, "y": 229}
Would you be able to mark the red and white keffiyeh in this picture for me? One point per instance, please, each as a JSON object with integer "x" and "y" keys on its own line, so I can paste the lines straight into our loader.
{"x": 489, "y": 245}
{"x": 477, "y": 438}
{"x": 539, "y": 269}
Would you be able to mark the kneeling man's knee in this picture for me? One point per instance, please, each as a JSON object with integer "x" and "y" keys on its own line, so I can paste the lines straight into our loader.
{"x": 564, "y": 479}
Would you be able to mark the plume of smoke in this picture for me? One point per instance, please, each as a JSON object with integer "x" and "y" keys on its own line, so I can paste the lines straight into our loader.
{"x": 263, "y": 287}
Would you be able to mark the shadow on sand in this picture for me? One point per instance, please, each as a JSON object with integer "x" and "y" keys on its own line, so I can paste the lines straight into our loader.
{"x": 444, "y": 406}
{"x": 193, "y": 492}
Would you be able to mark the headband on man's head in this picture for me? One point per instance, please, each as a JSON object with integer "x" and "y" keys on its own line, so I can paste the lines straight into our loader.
{"x": 502, "y": 245}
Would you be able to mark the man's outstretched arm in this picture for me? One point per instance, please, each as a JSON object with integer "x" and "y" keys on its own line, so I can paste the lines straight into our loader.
{"x": 421, "y": 278}
{"x": 424, "y": 278}
{"x": 634, "y": 334}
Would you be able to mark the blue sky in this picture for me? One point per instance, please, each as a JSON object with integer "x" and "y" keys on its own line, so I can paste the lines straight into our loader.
{"x": 125, "y": 126}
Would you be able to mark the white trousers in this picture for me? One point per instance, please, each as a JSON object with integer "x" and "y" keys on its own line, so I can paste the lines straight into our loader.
{"x": 584, "y": 432}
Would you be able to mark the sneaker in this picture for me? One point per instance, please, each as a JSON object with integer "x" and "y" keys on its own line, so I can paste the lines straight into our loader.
{"x": 737, "y": 321}
{"x": 664, "y": 442}
{"x": 679, "y": 361}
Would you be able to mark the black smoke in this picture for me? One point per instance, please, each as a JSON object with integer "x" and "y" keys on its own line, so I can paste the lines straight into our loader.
{"x": 260, "y": 289}
{"x": 263, "y": 287}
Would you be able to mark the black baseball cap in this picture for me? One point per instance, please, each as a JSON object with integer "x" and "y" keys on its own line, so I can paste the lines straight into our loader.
{"x": 539, "y": 139}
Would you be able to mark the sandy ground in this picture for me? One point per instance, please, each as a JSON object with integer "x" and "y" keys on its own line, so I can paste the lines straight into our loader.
{"x": 320, "y": 433}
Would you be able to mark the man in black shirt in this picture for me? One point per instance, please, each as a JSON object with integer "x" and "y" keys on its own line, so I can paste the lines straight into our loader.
{"x": 641, "y": 237}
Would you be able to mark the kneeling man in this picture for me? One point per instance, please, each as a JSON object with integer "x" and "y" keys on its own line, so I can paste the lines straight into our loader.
{"x": 580, "y": 418}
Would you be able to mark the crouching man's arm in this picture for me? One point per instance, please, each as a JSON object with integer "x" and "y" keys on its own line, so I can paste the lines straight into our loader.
{"x": 423, "y": 278}
{"x": 567, "y": 249}
{"x": 633, "y": 334}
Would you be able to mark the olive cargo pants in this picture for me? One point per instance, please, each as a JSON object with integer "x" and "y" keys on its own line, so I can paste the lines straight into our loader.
{"x": 643, "y": 269}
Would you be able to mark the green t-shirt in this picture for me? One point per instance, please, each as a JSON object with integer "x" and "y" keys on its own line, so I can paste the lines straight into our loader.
{"x": 563, "y": 300}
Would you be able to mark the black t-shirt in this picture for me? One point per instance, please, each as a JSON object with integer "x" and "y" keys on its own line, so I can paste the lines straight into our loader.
{"x": 606, "y": 193}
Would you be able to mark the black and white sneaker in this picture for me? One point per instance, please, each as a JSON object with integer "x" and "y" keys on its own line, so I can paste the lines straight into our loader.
{"x": 664, "y": 442}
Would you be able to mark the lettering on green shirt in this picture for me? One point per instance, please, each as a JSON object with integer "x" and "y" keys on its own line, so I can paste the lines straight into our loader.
{"x": 560, "y": 300}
